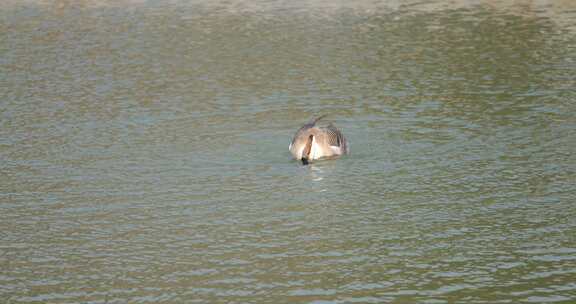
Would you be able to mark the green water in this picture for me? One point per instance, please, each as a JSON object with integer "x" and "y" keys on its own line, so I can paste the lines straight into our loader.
{"x": 144, "y": 152}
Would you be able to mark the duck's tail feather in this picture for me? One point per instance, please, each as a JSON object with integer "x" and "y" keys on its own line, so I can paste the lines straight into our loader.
{"x": 313, "y": 121}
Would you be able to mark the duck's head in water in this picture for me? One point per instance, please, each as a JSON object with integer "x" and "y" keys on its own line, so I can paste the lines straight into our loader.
{"x": 307, "y": 149}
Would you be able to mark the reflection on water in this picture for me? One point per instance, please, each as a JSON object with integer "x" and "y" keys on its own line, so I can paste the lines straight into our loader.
{"x": 143, "y": 150}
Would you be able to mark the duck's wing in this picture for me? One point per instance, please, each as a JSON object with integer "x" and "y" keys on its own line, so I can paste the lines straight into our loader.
{"x": 335, "y": 137}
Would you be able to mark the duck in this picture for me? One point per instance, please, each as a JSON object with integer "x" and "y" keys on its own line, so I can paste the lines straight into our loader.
{"x": 312, "y": 142}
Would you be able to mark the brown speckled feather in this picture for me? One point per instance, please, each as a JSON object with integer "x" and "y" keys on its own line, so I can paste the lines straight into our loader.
{"x": 335, "y": 137}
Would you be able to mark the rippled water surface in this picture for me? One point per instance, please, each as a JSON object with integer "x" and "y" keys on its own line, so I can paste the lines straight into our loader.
{"x": 143, "y": 152}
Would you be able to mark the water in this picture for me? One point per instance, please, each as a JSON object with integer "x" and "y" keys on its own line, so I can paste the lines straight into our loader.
{"x": 144, "y": 159}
